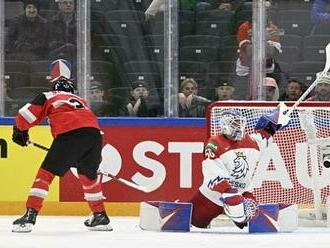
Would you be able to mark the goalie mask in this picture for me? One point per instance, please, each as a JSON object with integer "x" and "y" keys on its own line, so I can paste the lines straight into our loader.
{"x": 232, "y": 124}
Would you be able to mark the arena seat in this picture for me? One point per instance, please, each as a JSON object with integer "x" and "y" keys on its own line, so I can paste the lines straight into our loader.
{"x": 199, "y": 53}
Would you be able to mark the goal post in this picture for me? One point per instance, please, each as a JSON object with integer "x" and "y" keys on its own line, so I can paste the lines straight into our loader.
{"x": 291, "y": 169}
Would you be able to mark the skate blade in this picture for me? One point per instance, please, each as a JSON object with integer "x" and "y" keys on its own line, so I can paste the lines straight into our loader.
{"x": 22, "y": 228}
{"x": 107, "y": 228}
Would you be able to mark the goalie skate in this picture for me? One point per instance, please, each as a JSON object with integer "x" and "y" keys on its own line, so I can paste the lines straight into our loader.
{"x": 26, "y": 222}
{"x": 98, "y": 222}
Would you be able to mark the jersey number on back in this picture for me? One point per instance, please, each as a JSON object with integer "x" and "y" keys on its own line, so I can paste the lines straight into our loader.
{"x": 76, "y": 103}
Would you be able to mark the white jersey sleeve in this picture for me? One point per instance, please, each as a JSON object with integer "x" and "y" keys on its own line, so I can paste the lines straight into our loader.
{"x": 214, "y": 171}
{"x": 263, "y": 142}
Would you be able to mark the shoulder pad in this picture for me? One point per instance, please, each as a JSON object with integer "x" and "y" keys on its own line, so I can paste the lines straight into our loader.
{"x": 215, "y": 146}
{"x": 39, "y": 99}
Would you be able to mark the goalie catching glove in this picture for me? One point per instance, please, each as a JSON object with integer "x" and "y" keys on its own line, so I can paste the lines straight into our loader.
{"x": 238, "y": 208}
{"x": 274, "y": 121}
{"x": 20, "y": 137}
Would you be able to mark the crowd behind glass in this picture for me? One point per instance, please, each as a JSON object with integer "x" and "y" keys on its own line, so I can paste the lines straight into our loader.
{"x": 127, "y": 52}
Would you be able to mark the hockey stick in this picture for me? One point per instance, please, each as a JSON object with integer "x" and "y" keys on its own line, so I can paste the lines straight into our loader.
{"x": 312, "y": 86}
{"x": 38, "y": 145}
{"x": 128, "y": 183}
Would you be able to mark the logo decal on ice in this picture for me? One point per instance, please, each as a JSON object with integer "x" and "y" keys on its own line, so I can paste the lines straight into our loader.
{"x": 241, "y": 166}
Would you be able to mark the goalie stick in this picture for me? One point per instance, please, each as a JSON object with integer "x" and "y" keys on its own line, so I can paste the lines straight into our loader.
{"x": 312, "y": 86}
{"x": 118, "y": 179}
{"x": 285, "y": 115}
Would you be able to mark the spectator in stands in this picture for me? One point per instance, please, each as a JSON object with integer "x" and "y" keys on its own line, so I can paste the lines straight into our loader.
{"x": 27, "y": 34}
{"x": 320, "y": 16}
{"x": 322, "y": 89}
{"x": 224, "y": 91}
{"x": 225, "y": 5}
{"x": 245, "y": 48}
{"x": 158, "y": 6}
{"x": 271, "y": 89}
{"x": 140, "y": 102}
{"x": 273, "y": 46}
{"x": 96, "y": 99}
{"x": 190, "y": 104}
{"x": 294, "y": 89}
{"x": 228, "y": 5}
{"x": 63, "y": 33}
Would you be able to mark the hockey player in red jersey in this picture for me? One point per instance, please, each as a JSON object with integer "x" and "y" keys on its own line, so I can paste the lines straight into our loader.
{"x": 77, "y": 143}
{"x": 230, "y": 161}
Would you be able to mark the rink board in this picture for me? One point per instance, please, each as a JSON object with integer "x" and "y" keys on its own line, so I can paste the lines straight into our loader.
{"x": 126, "y": 137}
{"x": 162, "y": 154}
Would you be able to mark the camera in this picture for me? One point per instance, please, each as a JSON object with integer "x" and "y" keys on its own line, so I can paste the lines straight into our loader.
{"x": 325, "y": 154}
{"x": 326, "y": 160}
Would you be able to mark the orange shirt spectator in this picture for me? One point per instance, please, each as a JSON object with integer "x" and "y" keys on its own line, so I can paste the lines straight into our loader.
{"x": 245, "y": 47}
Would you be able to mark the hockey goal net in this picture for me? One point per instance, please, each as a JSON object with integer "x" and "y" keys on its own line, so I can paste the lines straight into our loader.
{"x": 291, "y": 170}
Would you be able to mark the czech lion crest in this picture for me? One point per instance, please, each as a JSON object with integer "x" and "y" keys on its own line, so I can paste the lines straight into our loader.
{"x": 241, "y": 166}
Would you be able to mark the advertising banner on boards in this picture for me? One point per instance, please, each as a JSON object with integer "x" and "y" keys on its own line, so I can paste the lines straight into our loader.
{"x": 166, "y": 160}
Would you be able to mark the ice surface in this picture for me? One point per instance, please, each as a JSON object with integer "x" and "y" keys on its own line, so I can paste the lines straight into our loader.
{"x": 69, "y": 232}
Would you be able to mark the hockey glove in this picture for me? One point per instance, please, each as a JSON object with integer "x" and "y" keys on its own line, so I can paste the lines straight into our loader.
{"x": 251, "y": 208}
{"x": 239, "y": 209}
{"x": 273, "y": 121}
{"x": 267, "y": 126}
{"x": 20, "y": 137}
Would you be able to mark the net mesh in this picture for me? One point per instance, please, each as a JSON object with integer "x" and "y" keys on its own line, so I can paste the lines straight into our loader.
{"x": 285, "y": 173}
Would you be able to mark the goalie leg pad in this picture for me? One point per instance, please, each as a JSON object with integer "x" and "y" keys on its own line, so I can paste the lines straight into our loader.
{"x": 266, "y": 220}
{"x": 165, "y": 216}
{"x": 277, "y": 217}
{"x": 288, "y": 217}
{"x": 149, "y": 216}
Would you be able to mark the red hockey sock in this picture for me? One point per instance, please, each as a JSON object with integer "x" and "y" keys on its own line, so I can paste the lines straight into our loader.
{"x": 39, "y": 189}
{"x": 93, "y": 193}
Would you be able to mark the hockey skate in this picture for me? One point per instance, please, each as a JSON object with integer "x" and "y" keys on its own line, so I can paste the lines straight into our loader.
{"x": 25, "y": 223}
{"x": 98, "y": 222}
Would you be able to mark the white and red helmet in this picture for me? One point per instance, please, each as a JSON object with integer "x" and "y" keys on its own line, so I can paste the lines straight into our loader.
{"x": 60, "y": 68}
{"x": 60, "y": 72}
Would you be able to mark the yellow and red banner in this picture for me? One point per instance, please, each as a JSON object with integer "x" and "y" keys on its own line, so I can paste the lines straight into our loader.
{"x": 166, "y": 158}
{"x": 20, "y": 164}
